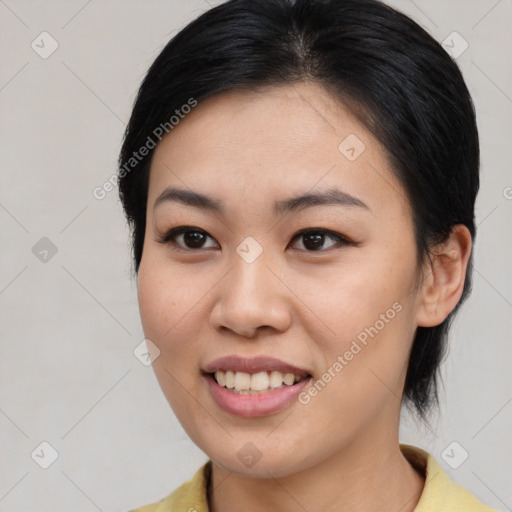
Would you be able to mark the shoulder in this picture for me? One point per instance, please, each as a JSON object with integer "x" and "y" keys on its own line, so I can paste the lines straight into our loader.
{"x": 440, "y": 491}
{"x": 191, "y": 496}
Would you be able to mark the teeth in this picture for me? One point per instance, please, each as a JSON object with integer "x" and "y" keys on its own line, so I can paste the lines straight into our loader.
{"x": 256, "y": 383}
{"x": 230, "y": 379}
{"x": 289, "y": 379}
{"x": 242, "y": 381}
{"x": 276, "y": 379}
{"x": 221, "y": 378}
{"x": 259, "y": 381}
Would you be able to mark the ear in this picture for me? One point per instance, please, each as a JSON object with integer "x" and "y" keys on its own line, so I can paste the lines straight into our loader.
{"x": 444, "y": 277}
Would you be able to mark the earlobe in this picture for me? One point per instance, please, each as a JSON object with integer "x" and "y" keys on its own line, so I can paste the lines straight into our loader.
{"x": 444, "y": 279}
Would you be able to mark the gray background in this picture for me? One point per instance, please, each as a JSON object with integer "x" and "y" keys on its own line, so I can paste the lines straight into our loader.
{"x": 69, "y": 321}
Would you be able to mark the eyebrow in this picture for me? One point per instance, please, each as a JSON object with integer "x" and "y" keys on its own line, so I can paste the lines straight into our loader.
{"x": 332, "y": 196}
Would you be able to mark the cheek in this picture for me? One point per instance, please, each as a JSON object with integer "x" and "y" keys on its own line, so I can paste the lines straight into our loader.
{"x": 370, "y": 314}
{"x": 169, "y": 306}
{"x": 169, "y": 320}
{"x": 346, "y": 300}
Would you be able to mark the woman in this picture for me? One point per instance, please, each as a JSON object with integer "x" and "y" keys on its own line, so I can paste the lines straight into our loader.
{"x": 300, "y": 178}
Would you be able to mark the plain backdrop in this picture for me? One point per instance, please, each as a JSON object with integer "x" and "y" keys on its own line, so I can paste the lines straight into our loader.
{"x": 69, "y": 318}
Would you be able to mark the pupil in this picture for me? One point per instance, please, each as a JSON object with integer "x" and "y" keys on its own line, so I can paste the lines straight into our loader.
{"x": 316, "y": 239}
{"x": 193, "y": 238}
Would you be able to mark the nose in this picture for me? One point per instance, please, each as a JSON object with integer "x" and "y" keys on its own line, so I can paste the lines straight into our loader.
{"x": 251, "y": 298}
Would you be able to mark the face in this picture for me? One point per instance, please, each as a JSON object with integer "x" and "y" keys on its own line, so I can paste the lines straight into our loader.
{"x": 302, "y": 261}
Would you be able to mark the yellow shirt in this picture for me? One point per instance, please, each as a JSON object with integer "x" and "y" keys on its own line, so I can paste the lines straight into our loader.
{"x": 440, "y": 493}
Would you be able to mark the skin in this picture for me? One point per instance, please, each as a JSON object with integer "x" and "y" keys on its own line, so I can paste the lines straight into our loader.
{"x": 248, "y": 149}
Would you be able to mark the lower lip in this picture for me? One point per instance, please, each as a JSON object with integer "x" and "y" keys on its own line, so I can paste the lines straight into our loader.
{"x": 249, "y": 406}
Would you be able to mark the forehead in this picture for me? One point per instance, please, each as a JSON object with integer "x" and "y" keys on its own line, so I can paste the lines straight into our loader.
{"x": 292, "y": 137}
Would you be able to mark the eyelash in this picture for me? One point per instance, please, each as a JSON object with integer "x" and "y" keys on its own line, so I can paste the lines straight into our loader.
{"x": 339, "y": 238}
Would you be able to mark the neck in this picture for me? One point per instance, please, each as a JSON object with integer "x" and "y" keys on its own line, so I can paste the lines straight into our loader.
{"x": 367, "y": 475}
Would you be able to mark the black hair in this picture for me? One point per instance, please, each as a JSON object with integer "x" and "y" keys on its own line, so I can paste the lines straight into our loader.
{"x": 389, "y": 71}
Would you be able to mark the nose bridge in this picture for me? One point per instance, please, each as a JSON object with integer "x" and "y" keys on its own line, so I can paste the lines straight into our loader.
{"x": 251, "y": 296}
{"x": 250, "y": 275}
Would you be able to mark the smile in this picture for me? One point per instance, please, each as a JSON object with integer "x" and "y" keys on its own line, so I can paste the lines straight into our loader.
{"x": 255, "y": 384}
{"x": 250, "y": 404}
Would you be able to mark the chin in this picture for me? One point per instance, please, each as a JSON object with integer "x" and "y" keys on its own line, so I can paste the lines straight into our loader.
{"x": 259, "y": 459}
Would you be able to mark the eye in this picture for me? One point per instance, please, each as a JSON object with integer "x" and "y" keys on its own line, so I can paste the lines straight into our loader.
{"x": 314, "y": 239}
{"x": 187, "y": 237}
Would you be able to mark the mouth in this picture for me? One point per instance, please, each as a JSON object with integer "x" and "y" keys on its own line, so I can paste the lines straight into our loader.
{"x": 254, "y": 387}
{"x": 245, "y": 383}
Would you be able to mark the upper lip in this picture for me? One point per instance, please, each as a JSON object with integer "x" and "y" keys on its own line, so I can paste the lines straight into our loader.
{"x": 253, "y": 365}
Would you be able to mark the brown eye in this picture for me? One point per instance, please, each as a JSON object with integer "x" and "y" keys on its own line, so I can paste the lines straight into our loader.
{"x": 315, "y": 239}
{"x": 187, "y": 237}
